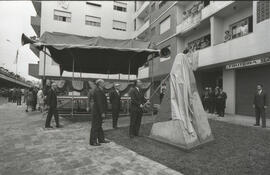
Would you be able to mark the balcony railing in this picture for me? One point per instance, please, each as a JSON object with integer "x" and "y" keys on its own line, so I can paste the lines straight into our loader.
{"x": 143, "y": 28}
{"x": 214, "y": 7}
{"x": 142, "y": 8}
{"x": 189, "y": 23}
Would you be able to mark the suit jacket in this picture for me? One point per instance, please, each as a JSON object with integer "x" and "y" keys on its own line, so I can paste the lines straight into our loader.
{"x": 52, "y": 99}
{"x": 137, "y": 98}
{"x": 260, "y": 99}
{"x": 115, "y": 100}
{"x": 100, "y": 102}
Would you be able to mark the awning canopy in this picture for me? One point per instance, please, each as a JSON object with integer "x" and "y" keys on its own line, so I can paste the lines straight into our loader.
{"x": 94, "y": 54}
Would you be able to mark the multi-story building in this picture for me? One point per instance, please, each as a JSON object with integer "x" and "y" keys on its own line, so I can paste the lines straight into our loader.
{"x": 232, "y": 38}
{"x": 110, "y": 19}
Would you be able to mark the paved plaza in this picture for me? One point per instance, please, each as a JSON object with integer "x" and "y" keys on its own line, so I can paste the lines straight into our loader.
{"x": 26, "y": 148}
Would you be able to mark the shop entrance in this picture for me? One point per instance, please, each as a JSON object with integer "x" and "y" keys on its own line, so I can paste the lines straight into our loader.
{"x": 246, "y": 81}
{"x": 208, "y": 78}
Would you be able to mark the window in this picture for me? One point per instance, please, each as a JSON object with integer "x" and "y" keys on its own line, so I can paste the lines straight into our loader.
{"x": 93, "y": 4}
{"x": 263, "y": 11}
{"x": 242, "y": 27}
{"x": 161, "y": 3}
{"x": 166, "y": 52}
{"x": 62, "y": 16}
{"x": 200, "y": 43}
{"x": 153, "y": 7}
{"x": 93, "y": 21}
{"x": 120, "y": 6}
{"x": 119, "y": 25}
{"x": 165, "y": 25}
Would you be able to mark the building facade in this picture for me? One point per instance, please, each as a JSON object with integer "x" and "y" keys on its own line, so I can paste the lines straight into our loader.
{"x": 232, "y": 39}
{"x": 110, "y": 19}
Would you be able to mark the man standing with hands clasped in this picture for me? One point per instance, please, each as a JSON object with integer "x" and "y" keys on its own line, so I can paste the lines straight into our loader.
{"x": 136, "y": 108}
{"x": 260, "y": 104}
{"x": 99, "y": 109}
{"x": 116, "y": 103}
{"x": 52, "y": 107}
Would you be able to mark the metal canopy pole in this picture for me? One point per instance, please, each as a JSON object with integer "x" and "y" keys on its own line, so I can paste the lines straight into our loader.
{"x": 72, "y": 98}
{"x": 44, "y": 66}
{"x": 152, "y": 79}
{"x": 128, "y": 84}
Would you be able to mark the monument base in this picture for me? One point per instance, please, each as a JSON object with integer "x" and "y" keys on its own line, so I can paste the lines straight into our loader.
{"x": 173, "y": 133}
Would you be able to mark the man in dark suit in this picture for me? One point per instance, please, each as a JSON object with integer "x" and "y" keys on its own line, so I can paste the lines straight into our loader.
{"x": 260, "y": 104}
{"x": 115, "y": 98}
{"x": 136, "y": 108}
{"x": 99, "y": 109}
{"x": 52, "y": 107}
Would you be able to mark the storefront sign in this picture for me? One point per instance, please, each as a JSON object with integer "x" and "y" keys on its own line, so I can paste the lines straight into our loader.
{"x": 248, "y": 63}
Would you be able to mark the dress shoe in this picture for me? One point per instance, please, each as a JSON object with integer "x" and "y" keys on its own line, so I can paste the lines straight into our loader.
{"x": 48, "y": 127}
{"x": 256, "y": 125}
{"x": 95, "y": 144}
{"x": 59, "y": 126}
{"x": 131, "y": 136}
{"x": 104, "y": 141}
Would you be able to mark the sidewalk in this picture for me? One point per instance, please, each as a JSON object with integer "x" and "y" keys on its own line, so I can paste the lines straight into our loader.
{"x": 239, "y": 120}
{"x": 26, "y": 148}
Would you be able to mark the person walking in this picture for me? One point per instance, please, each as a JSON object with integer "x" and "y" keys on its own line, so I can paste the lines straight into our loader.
{"x": 115, "y": 99}
{"x": 211, "y": 101}
{"x": 99, "y": 110}
{"x": 40, "y": 99}
{"x": 34, "y": 103}
{"x": 221, "y": 102}
{"x": 136, "y": 109}
{"x": 19, "y": 96}
{"x": 29, "y": 99}
{"x": 52, "y": 107}
{"x": 260, "y": 104}
{"x": 216, "y": 94}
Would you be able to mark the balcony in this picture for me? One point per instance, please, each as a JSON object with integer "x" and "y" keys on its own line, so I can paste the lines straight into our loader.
{"x": 243, "y": 47}
{"x": 214, "y": 7}
{"x": 141, "y": 32}
{"x": 142, "y": 12}
{"x": 35, "y": 23}
{"x": 143, "y": 72}
{"x": 189, "y": 23}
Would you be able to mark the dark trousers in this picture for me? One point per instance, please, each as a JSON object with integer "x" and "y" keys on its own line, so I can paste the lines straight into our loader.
{"x": 115, "y": 115}
{"x": 96, "y": 133}
{"x": 135, "y": 122}
{"x": 211, "y": 106}
{"x": 19, "y": 100}
{"x": 52, "y": 112}
{"x": 260, "y": 113}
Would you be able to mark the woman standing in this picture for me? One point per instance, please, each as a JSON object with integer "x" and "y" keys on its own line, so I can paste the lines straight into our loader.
{"x": 40, "y": 100}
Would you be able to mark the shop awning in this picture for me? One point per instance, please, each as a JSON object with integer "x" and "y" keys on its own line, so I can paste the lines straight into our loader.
{"x": 94, "y": 54}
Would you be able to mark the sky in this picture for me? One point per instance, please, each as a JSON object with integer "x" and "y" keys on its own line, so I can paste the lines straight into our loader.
{"x": 15, "y": 19}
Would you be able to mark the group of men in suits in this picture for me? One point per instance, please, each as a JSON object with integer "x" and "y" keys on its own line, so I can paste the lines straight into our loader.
{"x": 137, "y": 104}
{"x": 100, "y": 106}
